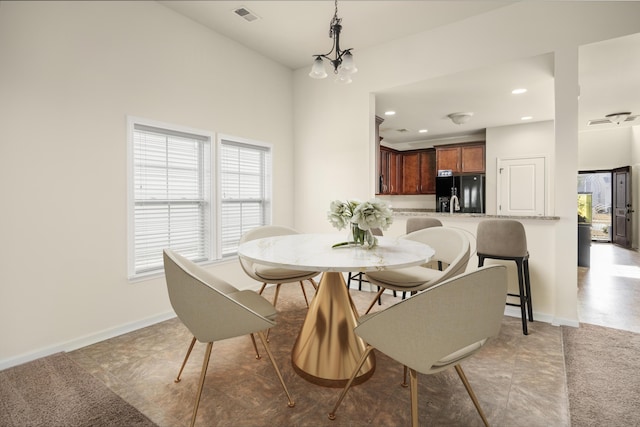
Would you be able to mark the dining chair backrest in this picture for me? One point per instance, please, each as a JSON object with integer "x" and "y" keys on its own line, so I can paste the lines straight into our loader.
{"x": 451, "y": 247}
{"x": 449, "y": 321}
{"x": 211, "y": 308}
{"x": 260, "y": 233}
{"x": 418, "y": 223}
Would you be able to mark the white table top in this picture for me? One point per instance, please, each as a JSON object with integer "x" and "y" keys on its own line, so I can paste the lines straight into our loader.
{"x": 313, "y": 252}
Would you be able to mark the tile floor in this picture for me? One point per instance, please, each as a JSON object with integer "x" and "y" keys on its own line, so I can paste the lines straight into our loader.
{"x": 519, "y": 380}
{"x": 609, "y": 290}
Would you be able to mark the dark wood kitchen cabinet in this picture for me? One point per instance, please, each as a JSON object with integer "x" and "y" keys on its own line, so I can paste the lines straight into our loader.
{"x": 461, "y": 158}
{"x": 418, "y": 172}
{"x": 389, "y": 178}
{"x": 428, "y": 172}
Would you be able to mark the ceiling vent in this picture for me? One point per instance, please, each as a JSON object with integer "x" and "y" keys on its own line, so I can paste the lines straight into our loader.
{"x": 402, "y": 130}
{"x": 246, "y": 14}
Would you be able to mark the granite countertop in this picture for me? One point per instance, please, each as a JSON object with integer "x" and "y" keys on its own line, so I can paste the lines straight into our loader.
{"x": 433, "y": 213}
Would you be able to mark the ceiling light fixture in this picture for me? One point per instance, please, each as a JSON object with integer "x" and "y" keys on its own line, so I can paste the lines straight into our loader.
{"x": 342, "y": 62}
{"x": 389, "y": 113}
{"x": 618, "y": 118}
{"x": 460, "y": 118}
{"x": 526, "y": 118}
{"x": 423, "y": 131}
{"x": 518, "y": 91}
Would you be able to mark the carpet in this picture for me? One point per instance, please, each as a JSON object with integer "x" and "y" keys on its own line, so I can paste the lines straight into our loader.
{"x": 602, "y": 375}
{"x": 55, "y": 391}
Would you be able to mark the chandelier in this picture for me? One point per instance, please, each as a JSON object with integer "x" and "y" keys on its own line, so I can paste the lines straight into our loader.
{"x": 342, "y": 62}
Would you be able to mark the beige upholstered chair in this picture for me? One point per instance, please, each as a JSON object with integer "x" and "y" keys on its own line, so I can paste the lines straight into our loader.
{"x": 449, "y": 323}
{"x": 505, "y": 239}
{"x": 274, "y": 275}
{"x": 452, "y": 249}
{"x": 213, "y": 310}
{"x": 418, "y": 223}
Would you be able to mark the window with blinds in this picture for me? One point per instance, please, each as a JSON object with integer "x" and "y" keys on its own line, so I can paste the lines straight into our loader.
{"x": 245, "y": 172}
{"x": 172, "y": 174}
{"x": 171, "y": 196}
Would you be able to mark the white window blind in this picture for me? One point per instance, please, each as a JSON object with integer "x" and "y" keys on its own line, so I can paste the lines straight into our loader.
{"x": 246, "y": 190}
{"x": 171, "y": 193}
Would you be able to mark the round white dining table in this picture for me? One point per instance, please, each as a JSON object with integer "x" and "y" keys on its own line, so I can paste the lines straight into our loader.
{"x": 327, "y": 350}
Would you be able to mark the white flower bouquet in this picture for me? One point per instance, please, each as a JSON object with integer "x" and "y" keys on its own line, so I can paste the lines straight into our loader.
{"x": 361, "y": 217}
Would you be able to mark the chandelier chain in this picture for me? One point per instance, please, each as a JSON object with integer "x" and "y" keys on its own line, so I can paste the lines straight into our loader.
{"x": 335, "y": 21}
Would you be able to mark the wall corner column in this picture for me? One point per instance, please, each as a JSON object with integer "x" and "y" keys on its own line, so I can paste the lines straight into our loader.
{"x": 565, "y": 167}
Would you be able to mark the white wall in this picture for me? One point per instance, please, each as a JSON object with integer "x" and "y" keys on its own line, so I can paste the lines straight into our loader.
{"x": 523, "y": 140}
{"x": 334, "y": 124}
{"x": 70, "y": 73}
{"x": 635, "y": 177}
{"x": 605, "y": 149}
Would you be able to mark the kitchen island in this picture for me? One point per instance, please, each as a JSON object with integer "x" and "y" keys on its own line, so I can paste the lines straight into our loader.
{"x": 541, "y": 231}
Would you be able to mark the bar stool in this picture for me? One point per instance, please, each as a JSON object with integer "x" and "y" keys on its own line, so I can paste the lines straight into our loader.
{"x": 505, "y": 239}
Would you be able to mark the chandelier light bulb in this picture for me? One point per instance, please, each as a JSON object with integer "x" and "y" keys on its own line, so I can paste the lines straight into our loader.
{"x": 318, "y": 71}
{"x": 347, "y": 63}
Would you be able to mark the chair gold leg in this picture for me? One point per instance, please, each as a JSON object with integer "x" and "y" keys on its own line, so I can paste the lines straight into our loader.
{"x": 275, "y": 297}
{"x": 186, "y": 357}
{"x": 404, "y": 377}
{"x": 365, "y": 354}
{"x": 264, "y": 285}
{"x": 291, "y": 403}
{"x": 203, "y": 374}
{"x": 313, "y": 282}
{"x": 467, "y": 385}
{"x": 304, "y": 293}
{"x": 275, "y": 301}
{"x": 253, "y": 340}
{"x": 374, "y": 300}
{"x": 413, "y": 379}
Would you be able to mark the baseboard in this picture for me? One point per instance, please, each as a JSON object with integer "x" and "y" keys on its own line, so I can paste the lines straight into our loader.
{"x": 85, "y": 341}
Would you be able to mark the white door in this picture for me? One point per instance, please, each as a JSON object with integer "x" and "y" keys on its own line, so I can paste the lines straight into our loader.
{"x": 521, "y": 186}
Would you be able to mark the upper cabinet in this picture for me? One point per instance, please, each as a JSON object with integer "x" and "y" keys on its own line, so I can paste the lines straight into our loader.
{"x": 461, "y": 158}
{"x": 419, "y": 172}
{"x": 390, "y": 166}
{"x": 407, "y": 172}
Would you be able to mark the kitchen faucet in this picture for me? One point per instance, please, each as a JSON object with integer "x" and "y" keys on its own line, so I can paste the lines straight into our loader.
{"x": 454, "y": 204}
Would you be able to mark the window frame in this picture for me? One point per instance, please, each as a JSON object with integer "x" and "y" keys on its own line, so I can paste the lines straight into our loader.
{"x": 267, "y": 181}
{"x": 213, "y": 178}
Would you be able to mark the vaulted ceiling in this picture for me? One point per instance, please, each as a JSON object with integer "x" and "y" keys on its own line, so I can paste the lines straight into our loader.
{"x": 290, "y": 32}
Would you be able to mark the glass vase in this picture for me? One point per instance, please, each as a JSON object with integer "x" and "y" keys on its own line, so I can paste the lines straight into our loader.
{"x": 360, "y": 237}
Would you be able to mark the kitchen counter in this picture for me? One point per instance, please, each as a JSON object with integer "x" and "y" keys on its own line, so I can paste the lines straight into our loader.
{"x": 429, "y": 212}
{"x": 542, "y": 234}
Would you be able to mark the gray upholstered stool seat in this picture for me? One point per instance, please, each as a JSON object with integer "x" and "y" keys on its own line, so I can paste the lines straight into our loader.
{"x": 505, "y": 239}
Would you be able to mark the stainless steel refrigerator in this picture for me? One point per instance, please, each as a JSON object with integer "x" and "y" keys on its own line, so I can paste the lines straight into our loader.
{"x": 469, "y": 189}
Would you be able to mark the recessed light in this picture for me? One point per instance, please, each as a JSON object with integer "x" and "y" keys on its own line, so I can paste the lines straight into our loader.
{"x": 526, "y": 118}
{"x": 389, "y": 113}
{"x": 423, "y": 131}
{"x": 518, "y": 91}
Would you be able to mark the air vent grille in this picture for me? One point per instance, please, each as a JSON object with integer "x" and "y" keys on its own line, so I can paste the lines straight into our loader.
{"x": 246, "y": 14}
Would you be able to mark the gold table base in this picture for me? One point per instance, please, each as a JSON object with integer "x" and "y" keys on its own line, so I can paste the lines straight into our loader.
{"x": 327, "y": 350}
